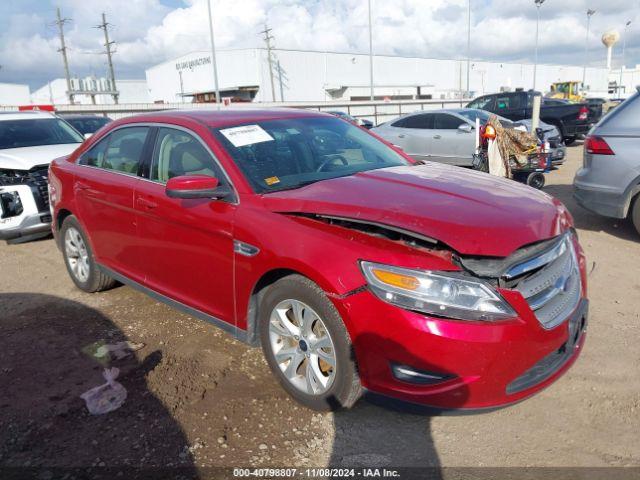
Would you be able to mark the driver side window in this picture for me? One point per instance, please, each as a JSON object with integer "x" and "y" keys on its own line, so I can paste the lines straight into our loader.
{"x": 178, "y": 153}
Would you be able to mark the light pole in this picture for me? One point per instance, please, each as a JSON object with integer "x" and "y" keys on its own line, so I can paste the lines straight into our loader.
{"x": 586, "y": 47}
{"x": 370, "y": 52}
{"x": 468, "y": 46}
{"x": 535, "y": 63}
{"x": 624, "y": 44}
{"x": 181, "y": 87}
{"x": 213, "y": 53}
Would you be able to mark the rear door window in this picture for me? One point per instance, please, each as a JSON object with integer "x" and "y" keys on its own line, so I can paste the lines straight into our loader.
{"x": 423, "y": 121}
{"x": 95, "y": 156}
{"x": 120, "y": 151}
{"x": 444, "y": 121}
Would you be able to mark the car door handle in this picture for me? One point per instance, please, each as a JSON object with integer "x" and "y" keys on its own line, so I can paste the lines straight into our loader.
{"x": 402, "y": 135}
{"x": 437, "y": 137}
{"x": 82, "y": 186}
{"x": 148, "y": 204}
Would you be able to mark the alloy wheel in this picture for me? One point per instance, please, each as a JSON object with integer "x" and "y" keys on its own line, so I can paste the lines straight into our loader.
{"x": 302, "y": 347}
{"x": 77, "y": 254}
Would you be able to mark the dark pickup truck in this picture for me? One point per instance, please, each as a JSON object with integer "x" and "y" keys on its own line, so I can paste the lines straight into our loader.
{"x": 572, "y": 119}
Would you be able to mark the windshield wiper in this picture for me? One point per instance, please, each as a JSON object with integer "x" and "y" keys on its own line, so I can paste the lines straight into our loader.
{"x": 294, "y": 187}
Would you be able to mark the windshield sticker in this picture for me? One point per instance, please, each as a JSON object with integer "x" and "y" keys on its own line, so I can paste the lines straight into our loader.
{"x": 246, "y": 135}
{"x": 271, "y": 180}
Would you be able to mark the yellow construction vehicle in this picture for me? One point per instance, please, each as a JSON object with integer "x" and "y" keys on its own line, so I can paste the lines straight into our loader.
{"x": 572, "y": 91}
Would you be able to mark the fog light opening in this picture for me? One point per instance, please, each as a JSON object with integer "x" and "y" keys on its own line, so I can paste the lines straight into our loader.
{"x": 409, "y": 374}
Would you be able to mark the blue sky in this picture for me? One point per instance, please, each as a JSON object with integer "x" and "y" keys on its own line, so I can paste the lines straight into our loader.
{"x": 151, "y": 31}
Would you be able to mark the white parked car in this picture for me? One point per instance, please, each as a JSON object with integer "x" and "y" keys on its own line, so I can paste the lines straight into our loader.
{"x": 29, "y": 141}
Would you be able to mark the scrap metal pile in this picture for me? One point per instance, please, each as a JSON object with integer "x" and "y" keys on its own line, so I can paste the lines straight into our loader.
{"x": 509, "y": 143}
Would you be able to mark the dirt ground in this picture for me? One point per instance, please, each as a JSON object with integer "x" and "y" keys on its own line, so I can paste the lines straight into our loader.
{"x": 198, "y": 398}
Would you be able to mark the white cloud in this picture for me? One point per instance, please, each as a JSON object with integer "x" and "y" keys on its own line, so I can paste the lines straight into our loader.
{"x": 149, "y": 32}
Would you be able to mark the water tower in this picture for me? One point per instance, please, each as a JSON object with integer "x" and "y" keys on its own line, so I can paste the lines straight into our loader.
{"x": 609, "y": 39}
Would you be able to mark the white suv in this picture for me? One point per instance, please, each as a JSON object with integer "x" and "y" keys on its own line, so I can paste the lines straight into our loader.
{"x": 29, "y": 141}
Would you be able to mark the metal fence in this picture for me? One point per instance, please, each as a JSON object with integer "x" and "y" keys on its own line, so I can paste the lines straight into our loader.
{"x": 378, "y": 111}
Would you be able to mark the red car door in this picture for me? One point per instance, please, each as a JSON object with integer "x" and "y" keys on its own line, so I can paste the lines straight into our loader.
{"x": 188, "y": 253}
{"x": 104, "y": 189}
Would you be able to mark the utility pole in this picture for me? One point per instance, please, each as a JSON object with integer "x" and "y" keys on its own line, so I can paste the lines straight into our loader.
{"x": 624, "y": 45}
{"x": 468, "y": 46}
{"x": 107, "y": 44}
{"x": 267, "y": 40}
{"x": 60, "y": 22}
{"x": 280, "y": 80}
{"x": 535, "y": 65}
{"x": 213, "y": 53}
{"x": 586, "y": 47}
{"x": 370, "y": 53}
{"x": 181, "y": 87}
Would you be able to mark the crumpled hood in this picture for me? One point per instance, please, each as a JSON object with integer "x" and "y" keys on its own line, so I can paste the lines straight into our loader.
{"x": 26, "y": 158}
{"x": 472, "y": 212}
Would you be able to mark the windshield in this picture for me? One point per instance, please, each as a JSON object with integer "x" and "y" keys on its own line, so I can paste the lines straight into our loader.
{"x": 33, "y": 132}
{"x": 473, "y": 114}
{"x": 483, "y": 115}
{"x": 88, "y": 125}
{"x": 290, "y": 153}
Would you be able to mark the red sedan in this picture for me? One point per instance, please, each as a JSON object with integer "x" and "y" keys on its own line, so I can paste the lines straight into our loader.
{"x": 355, "y": 268}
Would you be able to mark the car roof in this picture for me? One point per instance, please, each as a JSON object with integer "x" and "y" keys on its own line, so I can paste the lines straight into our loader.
{"x": 24, "y": 115}
{"x": 622, "y": 120}
{"x": 225, "y": 116}
{"x": 442, "y": 110}
{"x": 81, "y": 116}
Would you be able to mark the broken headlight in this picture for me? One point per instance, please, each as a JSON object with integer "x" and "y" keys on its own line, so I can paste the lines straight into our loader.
{"x": 444, "y": 294}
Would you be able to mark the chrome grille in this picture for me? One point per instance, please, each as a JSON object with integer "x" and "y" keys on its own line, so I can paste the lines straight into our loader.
{"x": 552, "y": 289}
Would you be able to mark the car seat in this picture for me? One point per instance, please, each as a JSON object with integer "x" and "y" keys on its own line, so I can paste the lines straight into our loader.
{"x": 189, "y": 158}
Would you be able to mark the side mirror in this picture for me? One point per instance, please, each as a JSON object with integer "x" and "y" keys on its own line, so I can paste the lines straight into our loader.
{"x": 465, "y": 127}
{"x": 196, "y": 186}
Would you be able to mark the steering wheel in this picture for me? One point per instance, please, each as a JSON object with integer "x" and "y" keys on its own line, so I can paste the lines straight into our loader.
{"x": 330, "y": 160}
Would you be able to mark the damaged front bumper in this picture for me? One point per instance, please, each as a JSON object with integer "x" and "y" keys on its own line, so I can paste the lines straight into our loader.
{"x": 20, "y": 217}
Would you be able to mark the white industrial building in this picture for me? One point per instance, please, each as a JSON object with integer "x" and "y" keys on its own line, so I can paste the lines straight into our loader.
{"x": 624, "y": 83}
{"x": 55, "y": 91}
{"x": 14, "y": 94}
{"x": 244, "y": 75}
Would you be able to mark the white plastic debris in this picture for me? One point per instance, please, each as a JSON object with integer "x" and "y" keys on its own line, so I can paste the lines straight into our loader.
{"x": 108, "y": 397}
{"x": 118, "y": 350}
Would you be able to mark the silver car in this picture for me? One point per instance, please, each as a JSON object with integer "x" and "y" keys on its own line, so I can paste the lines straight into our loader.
{"x": 448, "y": 136}
{"x": 441, "y": 135}
{"x": 609, "y": 181}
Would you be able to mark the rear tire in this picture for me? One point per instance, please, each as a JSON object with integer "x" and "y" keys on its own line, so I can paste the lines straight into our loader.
{"x": 568, "y": 141}
{"x": 307, "y": 345}
{"x": 79, "y": 260}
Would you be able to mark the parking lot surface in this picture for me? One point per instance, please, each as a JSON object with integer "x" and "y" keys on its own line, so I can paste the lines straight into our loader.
{"x": 196, "y": 397}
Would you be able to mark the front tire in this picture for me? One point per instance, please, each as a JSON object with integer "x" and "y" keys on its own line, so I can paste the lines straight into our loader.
{"x": 307, "y": 345}
{"x": 78, "y": 257}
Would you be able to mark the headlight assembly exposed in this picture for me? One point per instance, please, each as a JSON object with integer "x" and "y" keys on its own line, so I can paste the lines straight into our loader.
{"x": 445, "y": 294}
